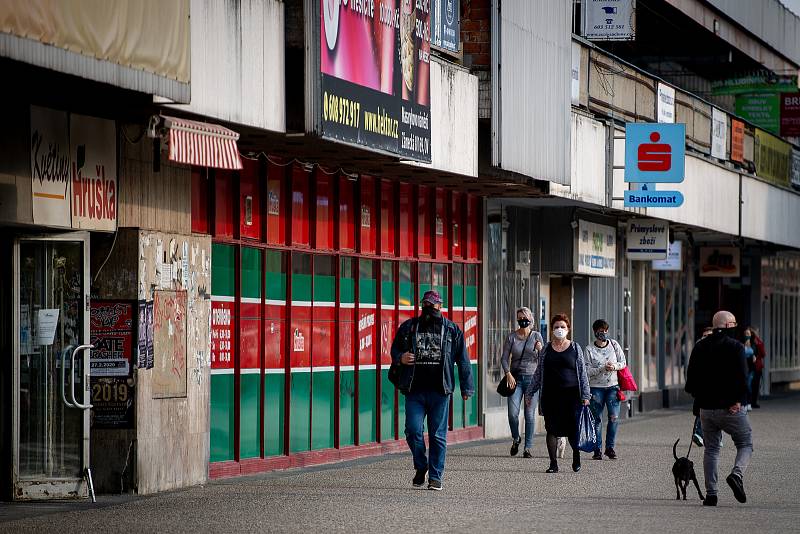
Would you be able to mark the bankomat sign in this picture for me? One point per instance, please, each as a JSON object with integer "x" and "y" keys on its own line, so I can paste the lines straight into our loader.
{"x": 654, "y": 153}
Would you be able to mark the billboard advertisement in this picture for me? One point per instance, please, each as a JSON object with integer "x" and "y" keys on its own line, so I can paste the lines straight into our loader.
{"x": 375, "y": 75}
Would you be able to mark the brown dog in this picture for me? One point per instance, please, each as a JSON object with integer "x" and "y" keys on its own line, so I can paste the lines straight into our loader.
{"x": 683, "y": 470}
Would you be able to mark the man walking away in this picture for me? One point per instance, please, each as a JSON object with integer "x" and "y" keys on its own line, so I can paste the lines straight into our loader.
{"x": 717, "y": 379}
{"x": 427, "y": 347}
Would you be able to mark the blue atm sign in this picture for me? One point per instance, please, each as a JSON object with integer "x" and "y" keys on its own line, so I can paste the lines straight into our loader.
{"x": 654, "y": 152}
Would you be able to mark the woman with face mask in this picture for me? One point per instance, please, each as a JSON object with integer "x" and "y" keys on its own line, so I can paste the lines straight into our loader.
{"x": 755, "y": 344}
{"x": 563, "y": 386}
{"x": 604, "y": 358}
{"x": 519, "y": 361}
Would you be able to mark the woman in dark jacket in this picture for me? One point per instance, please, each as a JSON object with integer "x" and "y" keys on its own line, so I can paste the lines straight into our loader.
{"x": 563, "y": 385}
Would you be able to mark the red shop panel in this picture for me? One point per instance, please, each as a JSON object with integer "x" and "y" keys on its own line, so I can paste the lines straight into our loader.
{"x": 473, "y": 227}
{"x": 276, "y": 206}
{"x": 347, "y": 317}
{"x": 224, "y": 220}
{"x": 441, "y": 225}
{"x": 323, "y": 235}
{"x": 368, "y": 215}
{"x": 388, "y": 329}
{"x": 456, "y": 223}
{"x": 323, "y": 350}
{"x": 250, "y": 343}
{"x": 274, "y": 332}
{"x": 200, "y": 184}
{"x": 347, "y": 232}
{"x": 300, "y": 205}
{"x": 250, "y": 199}
{"x": 471, "y": 333}
{"x": 424, "y": 222}
{"x": 300, "y": 342}
{"x": 366, "y": 336}
{"x": 406, "y": 226}
{"x": 388, "y": 223}
{"x": 222, "y": 335}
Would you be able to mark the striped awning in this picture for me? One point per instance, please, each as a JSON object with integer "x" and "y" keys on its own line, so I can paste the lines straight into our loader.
{"x": 202, "y": 144}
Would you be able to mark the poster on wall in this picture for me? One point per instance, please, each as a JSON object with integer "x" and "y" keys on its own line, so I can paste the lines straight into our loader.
{"x": 790, "y": 114}
{"x": 575, "y": 87}
{"x": 719, "y": 133}
{"x": 111, "y": 332}
{"x": 773, "y": 158}
{"x": 596, "y": 249}
{"x": 446, "y": 24}
{"x": 737, "y": 140}
{"x": 674, "y": 260}
{"x": 609, "y": 20}
{"x": 647, "y": 239}
{"x": 375, "y": 75}
{"x": 50, "y": 167}
{"x": 719, "y": 262}
{"x": 763, "y": 110}
{"x": 795, "y": 173}
{"x": 665, "y": 105}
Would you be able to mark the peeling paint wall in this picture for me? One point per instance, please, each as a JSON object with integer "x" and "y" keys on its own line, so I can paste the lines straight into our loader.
{"x": 173, "y": 433}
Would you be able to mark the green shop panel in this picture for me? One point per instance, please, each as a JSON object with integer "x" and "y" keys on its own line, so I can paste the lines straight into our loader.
{"x": 300, "y": 416}
{"x": 406, "y": 283}
{"x": 251, "y": 273}
{"x": 275, "y": 276}
{"x": 249, "y": 424}
{"x": 223, "y": 267}
{"x": 221, "y": 417}
{"x": 322, "y": 411}
{"x": 274, "y": 406}
{"x": 458, "y": 401}
{"x": 388, "y": 413}
{"x": 347, "y": 402}
{"x": 366, "y": 406}
{"x": 471, "y": 405}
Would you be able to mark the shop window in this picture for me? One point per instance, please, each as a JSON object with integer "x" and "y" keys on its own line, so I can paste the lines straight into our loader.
{"x": 300, "y": 205}
{"x": 323, "y": 235}
{"x": 368, "y": 215}
{"x": 388, "y": 327}
{"x": 322, "y": 354}
{"x": 388, "y": 223}
{"x": 347, "y": 232}
{"x": 250, "y": 199}
{"x": 347, "y": 324}
{"x": 224, "y": 198}
{"x": 456, "y": 225}
{"x": 250, "y": 353}
{"x": 223, "y": 293}
{"x": 276, "y": 205}
{"x": 471, "y": 336}
{"x": 367, "y": 374}
{"x": 424, "y": 222}
{"x": 441, "y": 225}
{"x": 300, "y": 347}
{"x": 274, "y": 351}
{"x": 200, "y": 186}
{"x": 474, "y": 220}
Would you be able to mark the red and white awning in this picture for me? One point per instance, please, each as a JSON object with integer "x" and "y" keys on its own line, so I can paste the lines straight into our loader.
{"x": 202, "y": 144}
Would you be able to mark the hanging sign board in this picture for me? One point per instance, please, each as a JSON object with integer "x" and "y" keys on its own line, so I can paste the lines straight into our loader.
{"x": 665, "y": 105}
{"x": 648, "y": 239}
{"x": 674, "y": 261}
{"x": 719, "y": 133}
{"x": 609, "y": 20}
{"x": 445, "y": 22}
{"x": 596, "y": 249}
{"x": 719, "y": 262}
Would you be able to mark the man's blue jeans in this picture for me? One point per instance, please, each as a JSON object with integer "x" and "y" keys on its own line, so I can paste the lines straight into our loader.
{"x": 514, "y": 403}
{"x": 435, "y": 406}
{"x": 605, "y": 398}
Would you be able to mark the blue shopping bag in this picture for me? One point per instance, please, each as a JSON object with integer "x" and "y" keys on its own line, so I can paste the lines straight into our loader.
{"x": 587, "y": 437}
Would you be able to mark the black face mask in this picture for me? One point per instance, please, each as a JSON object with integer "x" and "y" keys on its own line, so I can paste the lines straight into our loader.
{"x": 429, "y": 312}
{"x": 523, "y": 323}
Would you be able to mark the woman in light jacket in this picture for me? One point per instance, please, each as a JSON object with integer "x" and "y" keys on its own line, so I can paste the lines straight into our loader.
{"x": 519, "y": 361}
{"x": 563, "y": 385}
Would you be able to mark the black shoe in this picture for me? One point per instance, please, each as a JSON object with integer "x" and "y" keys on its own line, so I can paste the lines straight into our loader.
{"x": 514, "y": 448}
{"x": 553, "y": 468}
{"x": 597, "y": 455}
{"x": 611, "y": 454}
{"x": 710, "y": 500}
{"x": 435, "y": 485}
{"x": 419, "y": 478}
{"x": 527, "y": 454}
{"x": 737, "y": 485}
{"x": 576, "y": 461}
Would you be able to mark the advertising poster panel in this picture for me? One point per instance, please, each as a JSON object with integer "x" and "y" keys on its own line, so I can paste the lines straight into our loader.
{"x": 375, "y": 75}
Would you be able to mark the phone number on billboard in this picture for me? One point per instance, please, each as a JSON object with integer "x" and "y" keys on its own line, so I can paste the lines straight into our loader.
{"x": 342, "y": 110}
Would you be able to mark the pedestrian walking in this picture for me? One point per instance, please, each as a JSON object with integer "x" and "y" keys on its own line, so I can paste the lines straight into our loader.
{"x": 697, "y": 432}
{"x": 604, "y": 358}
{"x": 561, "y": 380}
{"x": 519, "y": 361}
{"x": 426, "y": 348}
{"x": 760, "y": 355}
{"x": 717, "y": 379}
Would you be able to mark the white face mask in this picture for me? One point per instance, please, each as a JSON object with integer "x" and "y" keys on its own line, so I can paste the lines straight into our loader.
{"x": 560, "y": 332}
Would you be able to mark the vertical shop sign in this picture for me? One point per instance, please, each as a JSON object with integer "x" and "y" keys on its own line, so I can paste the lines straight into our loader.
{"x": 375, "y": 75}
{"x": 50, "y": 167}
{"x": 446, "y": 24}
{"x": 609, "y": 20}
{"x": 790, "y": 114}
{"x": 665, "y": 105}
{"x": 221, "y": 334}
{"x": 647, "y": 239}
{"x": 737, "y": 140}
{"x": 93, "y": 153}
{"x": 596, "y": 249}
{"x": 576, "y": 74}
{"x": 719, "y": 133}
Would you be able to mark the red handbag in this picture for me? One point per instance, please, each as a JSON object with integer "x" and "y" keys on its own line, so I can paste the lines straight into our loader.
{"x": 626, "y": 381}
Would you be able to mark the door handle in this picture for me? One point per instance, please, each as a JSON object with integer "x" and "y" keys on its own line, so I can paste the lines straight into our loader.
{"x": 75, "y": 403}
{"x": 63, "y": 370}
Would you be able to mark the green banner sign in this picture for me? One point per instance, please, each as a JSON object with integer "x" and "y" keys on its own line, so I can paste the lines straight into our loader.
{"x": 762, "y": 110}
{"x": 759, "y": 83}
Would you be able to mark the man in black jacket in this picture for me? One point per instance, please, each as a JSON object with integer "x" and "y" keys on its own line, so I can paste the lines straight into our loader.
{"x": 717, "y": 379}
